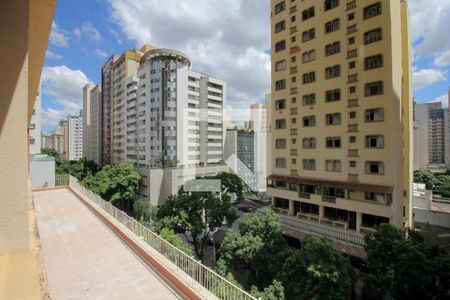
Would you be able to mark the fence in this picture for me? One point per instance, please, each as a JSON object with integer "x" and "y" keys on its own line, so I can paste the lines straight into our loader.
{"x": 61, "y": 179}
{"x": 204, "y": 281}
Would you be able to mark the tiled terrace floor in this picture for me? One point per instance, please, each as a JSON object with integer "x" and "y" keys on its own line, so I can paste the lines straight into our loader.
{"x": 85, "y": 260}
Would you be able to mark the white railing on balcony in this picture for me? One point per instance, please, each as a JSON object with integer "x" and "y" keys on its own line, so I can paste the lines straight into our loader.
{"x": 201, "y": 279}
{"x": 311, "y": 227}
{"x": 61, "y": 179}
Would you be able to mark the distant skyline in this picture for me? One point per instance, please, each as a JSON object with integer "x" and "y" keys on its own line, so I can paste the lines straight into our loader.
{"x": 229, "y": 39}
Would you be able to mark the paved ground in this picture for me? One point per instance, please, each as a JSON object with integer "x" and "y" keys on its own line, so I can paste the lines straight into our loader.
{"x": 85, "y": 260}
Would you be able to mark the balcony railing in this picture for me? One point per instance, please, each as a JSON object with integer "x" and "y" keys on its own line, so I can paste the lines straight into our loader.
{"x": 62, "y": 180}
{"x": 201, "y": 279}
{"x": 329, "y": 199}
{"x": 353, "y": 102}
{"x": 312, "y": 227}
{"x": 304, "y": 195}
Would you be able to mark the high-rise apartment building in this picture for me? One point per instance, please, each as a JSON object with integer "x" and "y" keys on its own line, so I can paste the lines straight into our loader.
{"x": 95, "y": 131}
{"x": 75, "y": 137}
{"x": 107, "y": 98}
{"x": 430, "y": 134}
{"x": 87, "y": 120}
{"x": 64, "y": 130}
{"x": 447, "y": 132}
{"x": 35, "y": 127}
{"x": 341, "y": 114}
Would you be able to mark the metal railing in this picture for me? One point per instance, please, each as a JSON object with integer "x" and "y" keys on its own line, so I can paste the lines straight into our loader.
{"x": 61, "y": 179}
{"x": 310, "y": 227}
{"x": 201, "y": 279}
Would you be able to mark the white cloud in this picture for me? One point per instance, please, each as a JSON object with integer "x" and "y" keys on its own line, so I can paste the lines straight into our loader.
{"x": 224, "y": 38}
{"x": 51, "y": 55}
{"x": 443, "y": 99}
{"x": 443, "y": 59}
{"x": 65, "y": 86}
{"x": 58, "y": 37}
{"x": 88, "y": 31}
{"x": 115, "y": 35}
{"x": 430, "y": 21}
{"x": 427, "y": 77}
{"x": 100, "y": 53}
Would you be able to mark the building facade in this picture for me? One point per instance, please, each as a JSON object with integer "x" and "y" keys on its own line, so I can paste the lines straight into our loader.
{"x": 95, "y": 131}
{"x": 75, "y": 137}
{"x": 87, "y": 120}
{"x": 35, "y": 127}
{"x": 341, "y": 113}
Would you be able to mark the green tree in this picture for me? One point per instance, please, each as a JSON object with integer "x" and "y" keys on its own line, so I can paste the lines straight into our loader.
{"x": 144, "y": 211}
{"x": 174, "y": 239}
{"x": 317, "y": 271}
{"x": 275, "y": 291}
{"x": 404, "y": 268}
{"x": 117, "y": 184}
{"x": 196, "y": 214}
{"x": 51, "y": 152}
{"x": 426, "y": 177}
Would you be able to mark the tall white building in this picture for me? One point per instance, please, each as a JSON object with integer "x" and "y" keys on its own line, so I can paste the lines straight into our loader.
{"x": 87, "y": 120}
{"x": 75, "y": 137}
{"x": 95, "y": 130}
{"x": 174, "y": 120}
{"x": 35, "y": 127}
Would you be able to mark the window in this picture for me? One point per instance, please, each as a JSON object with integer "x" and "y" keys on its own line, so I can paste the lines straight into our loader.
{"x": 280, "y": 7}
{"x": 333, "y": 165}
{"x": 332, "y": 72}
{"x": 333, "y": 95}
{"x": 374, "y": 115}
{"x": 351, "y": 17}
{"x": 332, "y": 26}
{"x": 294, "y": 121}
{"x": 280, "y": 143}
{"x": 309, "y": 121}
{"x": 309, "y": 99}
{"x": 351, "y": 40}
{"x": 280, "y": 104}
{"x": 309, "y": 77}
{"x": 309, "y": 143}
{"x": 280, "y": 124}
{"x": 308, "y": 13}
{"x": 294, "y": 161}
{"x": 293, "y": 59}
{"x": 352, "y": 139}
{"x": 374, "y": 141}
{"x": 293, "y": 141}
{"x": 352, "y": 115}
{"x": 373, "y": 62}
{"x": 309, "y": 56}
{"x": 333, "y": 142}
{"x": 294, "y": 79}
{"x": 375, "y": 167}
{"x": 280, "y": 162}
{"x": 293, "y": 39}
{"x": 333, "y": 119}
{"x": 280, "y": 46}
{"x": 309, "y": 35}
{"x": 352, "y": 164}
{"x": 352, "y": 89}
{"x": 373, "y": 36}
{"x": 309, "y": 164}
{"x": 330, "y": 4}
{"x": 372, "y": 10}
{"x": 294, "y": 100}
{"x": 332, "y": 48}
{"x": 374, "y": 196}
{"x": 293, "y": 19}
{"x": 374, "y": 88}
{"x": 280, "y": 85}
{"x": 280, "y": 26}
{"x": 280, "y": 65}
{"x": 352, "y": 65}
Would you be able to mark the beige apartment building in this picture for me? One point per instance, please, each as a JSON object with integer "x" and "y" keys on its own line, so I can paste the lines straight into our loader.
{"x": 341, "y": 116}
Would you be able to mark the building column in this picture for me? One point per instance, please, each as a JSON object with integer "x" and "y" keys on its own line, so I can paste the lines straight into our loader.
{"x": 321, "y": 211}
{"x": 358, "y": 221}
{"x": 291, "y": 207}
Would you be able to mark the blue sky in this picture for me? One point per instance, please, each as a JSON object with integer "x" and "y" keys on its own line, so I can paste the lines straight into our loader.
{"x": 86, "y": 32}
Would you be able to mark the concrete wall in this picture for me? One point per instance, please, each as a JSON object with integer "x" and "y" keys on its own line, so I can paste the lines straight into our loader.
{"x": 432, "y": 217}
{"x": 42, "y": 171}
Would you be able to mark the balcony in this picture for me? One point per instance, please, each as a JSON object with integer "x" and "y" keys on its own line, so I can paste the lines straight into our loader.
{"x": 293, "y": 70}
{"x": 293, "y": 9}
{"x": 304, "y": 195}
{"x": 351, "y": 5}
{"x": 294, "y": 49}
{"x": 293, "y": 29}
{"x": 75, "y": 225}
{"x": 353, "y": 177}
{"x": 353, "y": 128}
{"x": 294, "y": 152}
{"x": 294, "y": 111}
{"x": 329, "y": 199}
{"x": 351, "y": 29}
{"x": 353, "y": 103}
{"x": 352, "y": 78}
{"x": 353, "y": 153}
{"x": 293, "y": 91}
{"x": 294, "y": 131}
{"x": 352, "y": 53}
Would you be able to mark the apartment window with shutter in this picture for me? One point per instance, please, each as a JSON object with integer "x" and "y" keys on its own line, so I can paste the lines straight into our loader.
{"x": 308, "y": 13}
{"x": 333, "y": 119}
{"x": 309, "y": 143}
{"x": 280, "y": 26}
{"x": 333, "y": 142}
{"x": 374, "y": 88}
{"x": 332, "y": 49}
{"x": 309, "y": 121}
{"x": 332, "y": 72}
{"x": 280, "y": 85}
{"x": 280, "y": 104}
{"x": 374, "y": 141}
{"x": 374, "y": 115}
{"x": 332, "y": 26}
{"x": 333, "y": 95}
{"x": 309, "y": 77}
{"x": 280, "y": 65}
{"x": 309, "y": 164}
{"x": 372, "y": 10}
{"x": 309, "y": 35}
{"x": 373, "y": 62}
{"x": 309, "y": 56}
{"x": 309, "y": 99}
{"x": 375, "y": 167}
{"x": 373, "y": 36}
{"x": 280, "y": 46}
{"x": 333, "y": 165}
{"x": 280, "y": 124}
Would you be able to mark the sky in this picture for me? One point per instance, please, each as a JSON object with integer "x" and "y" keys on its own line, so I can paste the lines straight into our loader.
{"x": 228, "y": 39}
